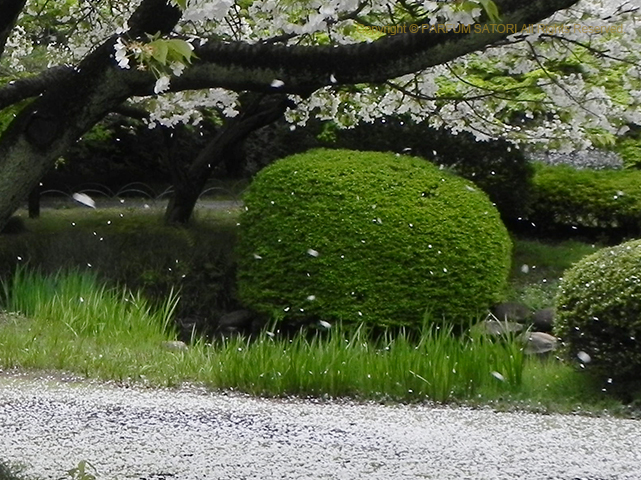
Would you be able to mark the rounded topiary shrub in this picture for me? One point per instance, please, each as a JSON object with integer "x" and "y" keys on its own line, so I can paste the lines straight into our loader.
{"x": 368, "y": 237}
{"x": 599, "y": 310}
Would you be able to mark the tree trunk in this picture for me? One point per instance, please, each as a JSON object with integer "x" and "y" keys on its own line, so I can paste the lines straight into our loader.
{"x": 182, "y": 202}
{"x": 34, "y": 202}
{"x": 189, "y": 182}
{"x": 75, "y": 102}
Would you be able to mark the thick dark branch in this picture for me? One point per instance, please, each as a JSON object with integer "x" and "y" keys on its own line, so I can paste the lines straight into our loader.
{"x": 9, "y": 10}
{"x": 259, "y": 113}
{"x": 17, "y": 90}
{"x": 304, "y": 69}
{"x": 131, "y": 111}
{"x": 153, "y": 16}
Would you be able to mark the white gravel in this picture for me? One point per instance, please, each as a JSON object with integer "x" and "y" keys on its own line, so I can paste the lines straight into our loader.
{"x": 139, "y": 433}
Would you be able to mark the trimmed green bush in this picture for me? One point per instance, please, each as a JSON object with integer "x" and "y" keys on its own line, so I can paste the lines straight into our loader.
{"x": 604, "y": 199}
{"x": 496, "y": 166}
{"x": 368, "y": 237}
{"x": 599, "y": 310}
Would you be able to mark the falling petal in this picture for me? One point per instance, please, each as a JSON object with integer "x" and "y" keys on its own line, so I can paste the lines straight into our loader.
{"x": 498, "y": 376}
{"x": 470, "y": 188}
{"x": 584, "y": 357}
{"x": 277, "y": 83}
{"x": 257, "y": 257}
{"x": 332, "y": 78}
{"x": 324, "y": 324}
{"x": 84, "y": 199}
{"x": 313, "y": 252}
{"x": 525, "y": 268}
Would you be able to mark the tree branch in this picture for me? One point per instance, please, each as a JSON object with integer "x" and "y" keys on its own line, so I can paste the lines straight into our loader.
{"x": 303, "y": 69}
{"x": 17, "y": 90}
{"x": 10, "y": 10}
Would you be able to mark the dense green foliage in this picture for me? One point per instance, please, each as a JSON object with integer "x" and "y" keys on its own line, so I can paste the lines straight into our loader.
{"x": 603, "y": 199}
{"x": 496, "y": 166}
{"x": 369, "y": 237}
{"x": 629, "y": 148}
{"x": 599, "y": 310}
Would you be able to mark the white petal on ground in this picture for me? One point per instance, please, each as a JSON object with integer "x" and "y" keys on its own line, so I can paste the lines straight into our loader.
{"x": 84, "y": 199}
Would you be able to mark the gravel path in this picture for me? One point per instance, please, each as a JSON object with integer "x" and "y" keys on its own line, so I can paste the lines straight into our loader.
{"x": 139, "y": 433}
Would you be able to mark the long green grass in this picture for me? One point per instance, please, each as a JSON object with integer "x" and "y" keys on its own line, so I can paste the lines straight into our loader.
{"x": 71, "y": 321}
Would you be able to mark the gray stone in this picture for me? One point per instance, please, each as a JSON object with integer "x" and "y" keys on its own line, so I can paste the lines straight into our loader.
{"x": 511, "y": 312}
{"x": 539, "y": 343}
{"x": 492, "y": 326}
{"x": 543, "y": 320}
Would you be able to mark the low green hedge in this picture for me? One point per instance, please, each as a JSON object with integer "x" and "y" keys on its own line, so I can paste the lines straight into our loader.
{"x": 605, "y": 199}
{"x": 368, "y": 237}
{"x": 135, "y": 249}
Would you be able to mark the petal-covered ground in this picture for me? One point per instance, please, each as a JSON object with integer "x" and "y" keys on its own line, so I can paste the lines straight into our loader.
{"x": 51, "y": 425}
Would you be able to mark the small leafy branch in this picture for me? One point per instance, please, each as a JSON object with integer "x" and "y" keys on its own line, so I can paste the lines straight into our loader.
{"x": 82, "y": 471}
{"x": 162, "y": 56}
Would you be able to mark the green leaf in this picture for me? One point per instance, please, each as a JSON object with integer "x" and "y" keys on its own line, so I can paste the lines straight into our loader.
{"x": 181, "y": 49}
{"x": 491, "y": 9}
{"x": 160, "y": 49}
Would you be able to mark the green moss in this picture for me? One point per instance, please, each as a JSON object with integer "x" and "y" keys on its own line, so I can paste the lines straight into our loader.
{"x": 369, "y": 237}
{"x": 599, "y": 310}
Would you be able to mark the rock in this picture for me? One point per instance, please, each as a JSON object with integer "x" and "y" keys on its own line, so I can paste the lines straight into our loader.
{"x": 538, "y": 343}
{"x": 543, "y": 320}
{"x": 492, "y": 326}
{"x": 511, "y": 312}
{"x": 174, "y": 345}
{"x": 236, "y": 321}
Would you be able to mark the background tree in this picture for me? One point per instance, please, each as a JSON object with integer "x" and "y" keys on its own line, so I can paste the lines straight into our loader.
{"x": 316, "y": 53}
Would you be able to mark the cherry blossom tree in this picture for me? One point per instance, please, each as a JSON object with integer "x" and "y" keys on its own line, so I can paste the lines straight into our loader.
{"x": 345, "y": 60}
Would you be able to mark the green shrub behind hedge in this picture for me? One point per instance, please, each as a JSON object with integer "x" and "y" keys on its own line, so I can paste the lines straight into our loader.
{"x": 602, "y": 199}
{"x": 599, "y": 310}
{"x": 368, "y": 237}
